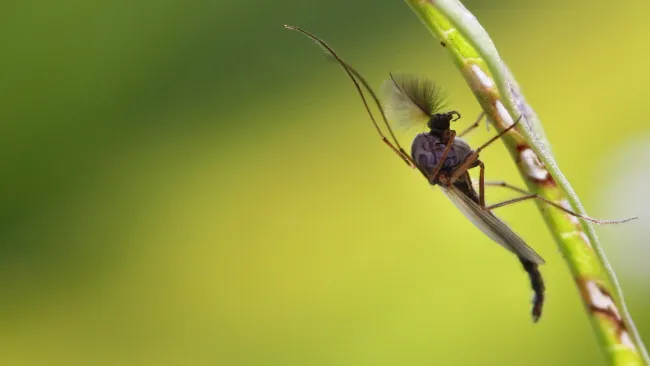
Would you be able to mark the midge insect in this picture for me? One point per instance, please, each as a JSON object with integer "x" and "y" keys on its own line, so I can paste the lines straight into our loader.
{"x": 444, "y": 159}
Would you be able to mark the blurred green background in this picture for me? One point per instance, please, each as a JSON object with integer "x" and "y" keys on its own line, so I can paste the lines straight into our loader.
{"x": 187, "y": 183}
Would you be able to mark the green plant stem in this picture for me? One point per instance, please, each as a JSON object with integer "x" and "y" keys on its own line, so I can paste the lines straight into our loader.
{"x": 476, "y": 57}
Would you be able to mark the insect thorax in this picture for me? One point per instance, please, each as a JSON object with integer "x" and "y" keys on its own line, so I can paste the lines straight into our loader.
{"x": 427, "y": 150}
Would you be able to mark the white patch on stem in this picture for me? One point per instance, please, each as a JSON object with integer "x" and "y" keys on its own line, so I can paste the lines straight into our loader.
{"x": 627, "y": 341}
{"x": 532, "y": 165}
{"x": 569, "y": 235}
{"x": 483, "y": 78}
{"x": 448, "y": 32}
{"x": 503, "y": 113}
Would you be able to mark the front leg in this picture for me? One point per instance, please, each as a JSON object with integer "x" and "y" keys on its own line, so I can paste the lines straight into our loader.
{"x": 471, "y": 161}
{"x": 472, "y": 157}
{"x": 433, "y": 178}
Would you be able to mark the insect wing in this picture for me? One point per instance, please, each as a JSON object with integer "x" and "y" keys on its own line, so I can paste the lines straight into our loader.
{"x": 491, "y": 226}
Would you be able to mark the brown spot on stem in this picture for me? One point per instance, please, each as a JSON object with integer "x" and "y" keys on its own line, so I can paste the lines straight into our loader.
{"x": 600, "y": 302}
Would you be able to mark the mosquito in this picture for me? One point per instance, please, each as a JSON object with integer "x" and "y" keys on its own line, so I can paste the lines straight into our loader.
{"x": 444, "y": 159}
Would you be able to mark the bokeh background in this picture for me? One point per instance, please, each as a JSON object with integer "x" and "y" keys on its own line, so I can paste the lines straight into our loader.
{"x": 187, "y": 183}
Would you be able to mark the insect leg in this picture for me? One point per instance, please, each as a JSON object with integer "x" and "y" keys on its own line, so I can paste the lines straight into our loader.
{"x": 506, "y": 185}
{"x": 481, "y": 184}
{"x": 396, "y": 147}
{"x": 473, "y": 125}
{"x": 531, "y": 196}
{"x": 473, "y": 158}
{"x": 436, "y": 170}
{"x": 352, "y": 73}
{"x": 470, "y": 160}
{"x": 498, "y": 136}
